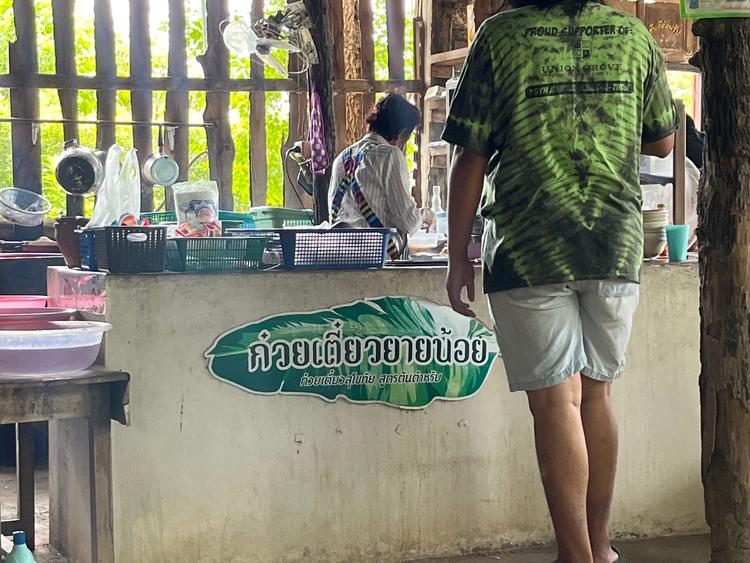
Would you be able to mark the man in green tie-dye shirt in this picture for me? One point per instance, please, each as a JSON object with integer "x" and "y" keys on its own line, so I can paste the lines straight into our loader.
{"x": 555, "y": 104}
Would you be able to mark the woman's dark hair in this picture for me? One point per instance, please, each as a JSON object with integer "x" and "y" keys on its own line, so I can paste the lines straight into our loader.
{"x": 391, "y": 116}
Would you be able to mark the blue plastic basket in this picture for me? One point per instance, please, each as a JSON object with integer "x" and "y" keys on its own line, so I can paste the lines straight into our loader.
{"x": 113, "y": 250}
{"x": 334, "y": 249}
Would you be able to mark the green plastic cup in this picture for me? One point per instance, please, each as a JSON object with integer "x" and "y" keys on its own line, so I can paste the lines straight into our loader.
{"x": 677, "y": 241}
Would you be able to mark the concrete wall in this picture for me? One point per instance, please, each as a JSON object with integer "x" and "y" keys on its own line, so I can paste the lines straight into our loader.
{"x": 208, "y": 472}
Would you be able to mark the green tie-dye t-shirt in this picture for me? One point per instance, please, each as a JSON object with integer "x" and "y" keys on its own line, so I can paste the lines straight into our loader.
{"x": 560, "y": 105}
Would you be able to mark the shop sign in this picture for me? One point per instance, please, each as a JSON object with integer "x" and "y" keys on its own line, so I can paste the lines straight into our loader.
{"x": 395, "y": 350}
{"x": 715, "y": 8}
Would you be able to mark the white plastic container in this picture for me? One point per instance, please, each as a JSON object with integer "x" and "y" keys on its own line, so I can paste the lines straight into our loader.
{"x": 49, "y": 347}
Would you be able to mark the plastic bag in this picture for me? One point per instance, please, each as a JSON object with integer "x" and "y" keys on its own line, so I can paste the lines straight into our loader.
{"x": 120, "y": 193}
{"x": 197, "y": 207}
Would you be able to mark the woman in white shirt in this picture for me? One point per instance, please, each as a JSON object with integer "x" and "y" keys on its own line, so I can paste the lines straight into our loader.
{"x": 370, "y": 184}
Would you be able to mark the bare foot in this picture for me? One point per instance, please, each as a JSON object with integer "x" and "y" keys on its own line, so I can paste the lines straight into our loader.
{"x": 610, "y": 557}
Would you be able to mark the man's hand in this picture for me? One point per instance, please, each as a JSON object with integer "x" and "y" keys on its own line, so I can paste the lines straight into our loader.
{"x": 466, "y": 180}
{"x": 460, "y": 275}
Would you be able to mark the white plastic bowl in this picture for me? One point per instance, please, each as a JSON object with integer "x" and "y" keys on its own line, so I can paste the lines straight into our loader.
{"x": 49, "y": 347}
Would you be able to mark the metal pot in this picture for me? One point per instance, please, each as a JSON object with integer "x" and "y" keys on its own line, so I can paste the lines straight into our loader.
{"x": 160, "y": 168}
{"x": 78, "y": 169}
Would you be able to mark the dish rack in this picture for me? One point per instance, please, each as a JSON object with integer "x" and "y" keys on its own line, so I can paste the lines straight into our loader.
{"x": 334, "y": 249}
{"x": 216, "y": 254}
{"x": 124, "y": 250}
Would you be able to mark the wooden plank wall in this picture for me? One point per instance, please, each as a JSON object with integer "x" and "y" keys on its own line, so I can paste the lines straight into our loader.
{"x": 350, "y": 81}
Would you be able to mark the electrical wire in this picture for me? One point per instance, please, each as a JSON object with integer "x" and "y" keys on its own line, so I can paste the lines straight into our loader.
{"x": 293, "y": 183}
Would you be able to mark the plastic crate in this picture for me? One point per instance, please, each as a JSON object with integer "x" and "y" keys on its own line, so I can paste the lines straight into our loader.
{"x": 246, "y": 220}
{"x": 334, "y": 249}
{"x": 216, "y": 254}
{"x": 118, "y": 251}
{"x": 281, "y": 217}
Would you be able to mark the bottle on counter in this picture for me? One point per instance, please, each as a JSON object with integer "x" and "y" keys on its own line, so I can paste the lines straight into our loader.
{"x": 20, "y": 552}
{"x": 440, "y": 221}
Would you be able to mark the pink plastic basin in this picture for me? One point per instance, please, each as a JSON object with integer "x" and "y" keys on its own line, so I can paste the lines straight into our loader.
{"x": 37, "y": 313}
{"x": 49, "y": 347}
{"x": 22, "y": 301}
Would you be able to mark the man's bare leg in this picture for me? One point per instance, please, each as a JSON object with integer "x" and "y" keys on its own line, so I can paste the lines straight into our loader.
{"x": 600, "y": 427}
{"x": 564, "y": 465}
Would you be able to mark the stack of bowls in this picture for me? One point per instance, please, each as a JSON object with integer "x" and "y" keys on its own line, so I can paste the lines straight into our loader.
{"x": 654, "y": 233}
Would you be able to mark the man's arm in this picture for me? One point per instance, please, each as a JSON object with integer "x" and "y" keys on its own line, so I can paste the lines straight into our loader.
{"x": 661, "y": 148}
{"x": 465, "y": 190}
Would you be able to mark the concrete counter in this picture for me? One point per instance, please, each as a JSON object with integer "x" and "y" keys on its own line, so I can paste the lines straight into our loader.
{"x": 207, "y": 471}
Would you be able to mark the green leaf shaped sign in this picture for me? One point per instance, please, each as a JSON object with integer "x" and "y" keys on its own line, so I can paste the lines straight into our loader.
{"x": 396, "y": 350}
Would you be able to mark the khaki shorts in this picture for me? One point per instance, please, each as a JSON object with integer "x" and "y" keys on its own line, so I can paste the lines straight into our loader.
{"x": 549, "y": 333}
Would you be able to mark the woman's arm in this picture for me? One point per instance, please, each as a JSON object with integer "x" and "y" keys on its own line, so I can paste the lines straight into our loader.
{"x": 402, "y": 209}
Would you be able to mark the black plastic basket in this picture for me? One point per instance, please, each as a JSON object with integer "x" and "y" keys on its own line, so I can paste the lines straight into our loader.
{"x": 216, "y": 254}
{"x": 334, "y": 249}
{"x": 124, "y": 250}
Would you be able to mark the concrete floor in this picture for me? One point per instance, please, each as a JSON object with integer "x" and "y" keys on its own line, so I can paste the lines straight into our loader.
{"x": 691, "y": 549}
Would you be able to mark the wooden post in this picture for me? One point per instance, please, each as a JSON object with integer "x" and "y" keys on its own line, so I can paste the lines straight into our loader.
{"x": 106, "y": 69}
{"x": 26, "y": 142}
{"x": 215, "y": 63}
{"x": 177, "y": 102}
{"x": 368, "y": 53}
{"x": 65, "y": 64}
{"x": 336, "y": 16}
{"x": 724, "y": 241}
{"x": 258, "y": 138}
{"x": 320, "y": 75}
{"x": 141, "y": 101}
{"x": 396, "y": 19}
{"x": 294, "y": 196}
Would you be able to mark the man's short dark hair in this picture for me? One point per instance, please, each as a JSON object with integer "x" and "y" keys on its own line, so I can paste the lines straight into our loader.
{"x": 392, "y": 116}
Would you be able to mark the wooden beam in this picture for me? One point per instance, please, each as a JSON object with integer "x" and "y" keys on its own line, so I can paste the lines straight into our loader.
{"x": 141, "y": 101}
{"x": 368, "y": 51}
{"x": 63, "y": 23}
{"x": 456, "y": 57}
{"x": 258, "y": 137}
{"x": 173, "y": 83}
{"x": 106, "y": 70}
{"x": 441, "y": 25}
{"x": 294, "y": 196}
{"x": 336, "y": 16}
{"x": 177, "y": 102}
{"x": 724, "y": 246}
{"x": 26, "y": 146}
{"x": 320, "y": 75}
{"x": 396, "y": 21}
{"x": 215, "y": 63}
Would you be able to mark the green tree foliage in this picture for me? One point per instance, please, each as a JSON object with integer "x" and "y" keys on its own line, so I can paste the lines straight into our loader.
{"x": 277, "y": 103}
